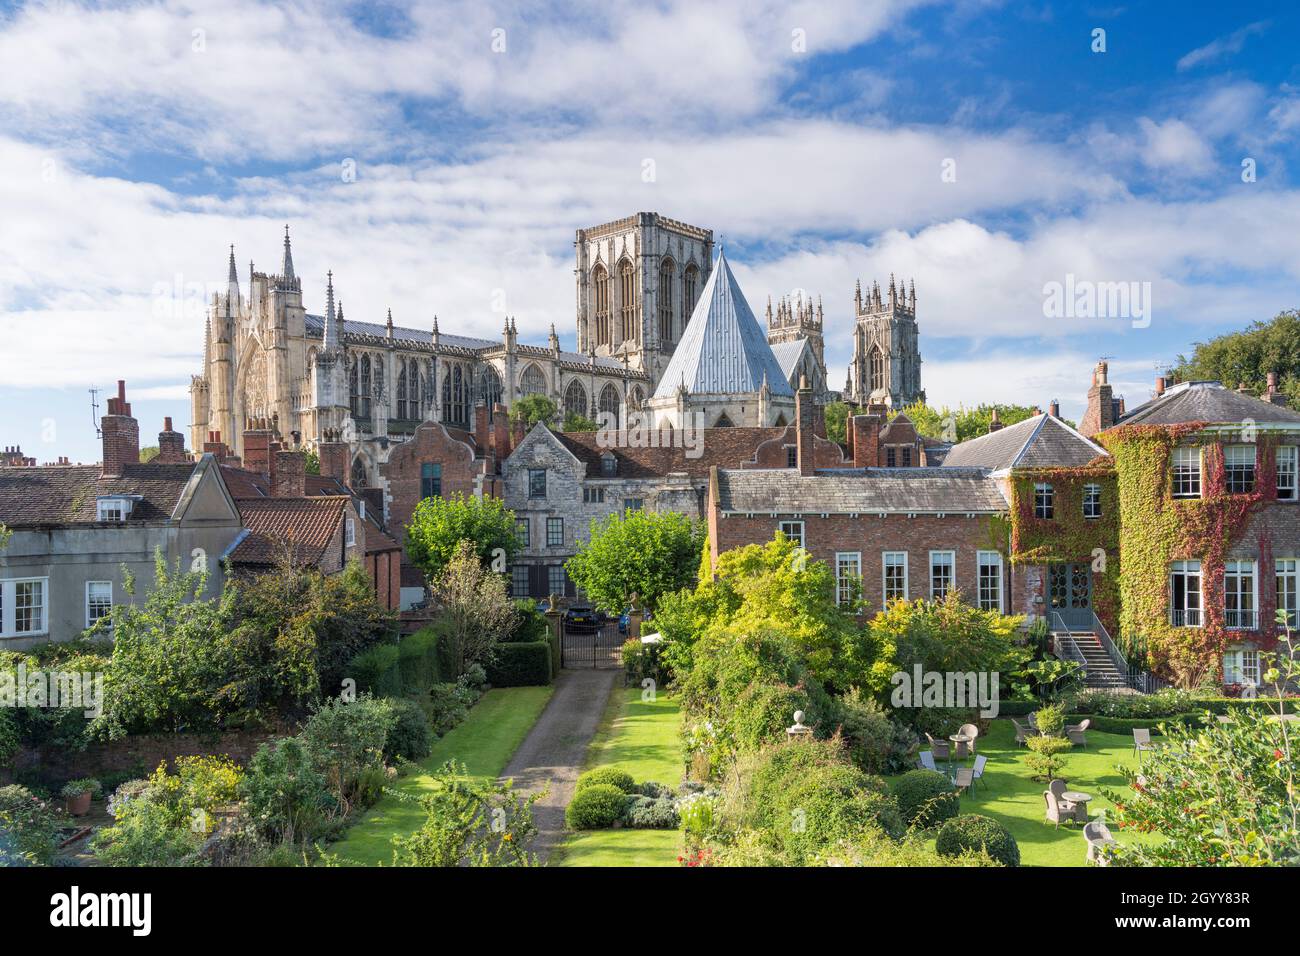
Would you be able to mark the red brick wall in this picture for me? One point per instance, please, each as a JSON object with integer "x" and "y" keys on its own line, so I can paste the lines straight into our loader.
{"x": 385, "y": 569}
{"x": 430, "y": 443}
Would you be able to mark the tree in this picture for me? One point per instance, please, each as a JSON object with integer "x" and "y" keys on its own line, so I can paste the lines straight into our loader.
{"x": 312, "y": 466}
{"x": 964, "y": 423}
{"x": 836, "y": 415}
{"x": 532, "y": 409}
{"x": 438, "y": 525}
{"x": 474, "y": 611}
{"x": 1246, "y": 357}
{"x": 647, "y": 553}
{"x": 575, "y": 422}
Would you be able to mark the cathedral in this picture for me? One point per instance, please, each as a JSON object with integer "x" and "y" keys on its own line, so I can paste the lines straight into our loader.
{"x": 663, "y": 331}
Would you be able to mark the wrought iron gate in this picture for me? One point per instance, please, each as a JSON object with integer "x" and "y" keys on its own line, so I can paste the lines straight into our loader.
{"x": 591, "y": 645}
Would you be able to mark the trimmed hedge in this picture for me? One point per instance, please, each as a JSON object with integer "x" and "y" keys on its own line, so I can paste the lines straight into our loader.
{"x": 596, "y": 808}
{"x": 418, "y": 660}
{"x": 1017, "y": 708}
{"x": 521, "y": 665}
{"x": 972, "y": 831}
{"x": 1124, "y": 726}
{"x": 377, "y": 671}
{"x": 606, "y": 776}
{"x": 926, "y": 798}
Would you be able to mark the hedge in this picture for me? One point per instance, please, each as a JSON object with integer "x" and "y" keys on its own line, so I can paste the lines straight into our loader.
{"x": 419, "y": 662}
{"x": 377, "y": 671}
{"x": 1124, "y": 726}
{"x": 521, "y": 665}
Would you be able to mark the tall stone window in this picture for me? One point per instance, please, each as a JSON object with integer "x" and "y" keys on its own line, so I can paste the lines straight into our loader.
{"x": 666, "y": 301}
{"x": 877, "y": 365}
{"x": 600, "y": 286}
{"x": 575, "y": 399}
{"x": 627, "y": 300}
{"x": 364, "y": 404}
{"x": 533, "y": 381}
{"x": 490, "y": 388}
{"x": 455, "y": 397}
{"x": 609, "y": 406}
{"x": 401, "y": 391}
{"x": 354, "y": 391}
{"x": 690, "y": 285}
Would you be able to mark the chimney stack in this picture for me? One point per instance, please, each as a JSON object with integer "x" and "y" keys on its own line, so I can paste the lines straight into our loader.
{"x": 865, "y": 430}
{"x": 333, "y": 455}
{"x": 171, "y": 445}
{"x": 1054, "y": 409}
{"x": 289, "y": 475}
{"x": 804, "y": 419}
{"x": 257, "y": 447}
{"x": 121, "y": 435}
{"x": 994, "y": 423}
{"x": 1161, "y": 385}
{"x": 1100, "y": 413}
{"x": 1272, "y": 394}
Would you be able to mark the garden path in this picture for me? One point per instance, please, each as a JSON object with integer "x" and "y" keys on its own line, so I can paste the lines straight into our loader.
{"x": 551, "y": 755}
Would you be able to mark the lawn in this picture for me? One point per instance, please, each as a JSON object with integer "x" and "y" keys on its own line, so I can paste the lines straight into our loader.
{"x": 639, "y": 737}
{"x": 1017, "y": 803}
{"x": 483, "y": 742}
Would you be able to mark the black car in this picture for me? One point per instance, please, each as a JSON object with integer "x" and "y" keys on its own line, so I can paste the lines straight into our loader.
{"x": 580, "y": 616}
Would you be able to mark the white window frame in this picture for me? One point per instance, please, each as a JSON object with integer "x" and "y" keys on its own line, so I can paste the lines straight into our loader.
{"x": 800, "y": 541}
{"x": 1244, "y": 619}
{"x": 554, "y": 522}
{"x": 9, "y": 607}
{"x": 985, "y": 559}
{"x": 1241, "y": 452}
{"x": 843, "y": 582}
{"x": 952, "y": 573}
{"x": 90, "y": 622}
{"x": 1290, "y": 456}
{"x": 1092, "y": 496}
{"x": 1187, "y": 568}
{"x": 1047, "y": 493}
{"x": 1287, "y": 584}
{"x": 1241, "y": 666}
{"x": 884, "y": 575}
{"x": 349, "y": 532}
{"x": 1185, "y": 469}
{"x": 112, "y": 510}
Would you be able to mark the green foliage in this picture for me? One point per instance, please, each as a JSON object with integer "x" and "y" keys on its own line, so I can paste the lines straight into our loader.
{"x": 346, "y": 740}
{"x": 475, "y": 613}
{"x": 418, "y": 661}
{"x": 530, "y": 623}
{"x": 609, "y": 776}
{"x": 29, "y": 828}
{"x": 573, "y": 422}
{"x": 647, "y": 553}
{"x": 963, "y": 424}
{"x": 1246, "y": 357}
{"x": 468, "y": 822}
{"x": 972, "y": 832}
{"x": 532, "y": 409}
{"x": 438, "y": 525}
{"x": 836, "y": 415}
{"x": 949, "y": 636}
{"x": 287, "y": 797}
{"x": 449, "y": 704}
{"x": 1050, "y": 719}
{"x": 652, "y": 813}
{"x": 312, "y": 463}
{"x": 410, "y": 737}
{"x": 377, "y": 671}
{"x": 876, "y": 743}
{"x": 520, "y": 665}
{"x": 926, "y": 798}
{"x": 1045, "y": 761}
{"x": 595, "y": 807}
{"x": 75, "y": 788}
{"x": 1163, "y": 703}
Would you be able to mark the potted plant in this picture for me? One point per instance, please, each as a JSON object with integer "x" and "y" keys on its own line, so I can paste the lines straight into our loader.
{"x": 77, "y": 795}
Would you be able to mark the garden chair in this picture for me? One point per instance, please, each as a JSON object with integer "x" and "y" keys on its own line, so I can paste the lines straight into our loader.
{"x": 941, "y": 748}
{"x": 978, "y": 769}
{"x": 1076, "y": 733}
{"x": 1058, "y": 808}
{"x": 927, "y": 761}
{"x": 971, "y": 731}
{"x": 1098, "y": 835}
{"x": 964, "y": 780}
{"x": 1023, "y": 732}
{"x": 1142, "y": 741}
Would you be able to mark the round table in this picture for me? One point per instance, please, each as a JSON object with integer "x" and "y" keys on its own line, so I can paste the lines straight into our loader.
{"x": 961, "y": 740}
{"x": 1077, "y": 798}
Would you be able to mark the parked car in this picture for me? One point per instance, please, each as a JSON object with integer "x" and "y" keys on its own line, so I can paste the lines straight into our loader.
{"x": 580, "y": 616}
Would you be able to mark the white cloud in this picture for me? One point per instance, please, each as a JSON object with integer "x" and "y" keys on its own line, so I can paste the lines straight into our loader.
{"x": 1221, "y": 47}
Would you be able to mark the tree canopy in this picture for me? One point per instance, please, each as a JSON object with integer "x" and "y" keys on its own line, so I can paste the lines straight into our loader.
{"x": 532, "y": 409}
{"x": 439, "y": 524}
{"x": 647, "y": 553}
{"x": 1246, "y": 357}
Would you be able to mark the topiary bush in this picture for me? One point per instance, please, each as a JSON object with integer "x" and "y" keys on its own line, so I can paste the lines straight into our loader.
{"x": 596, "y": 807}
{"x": 607, "y": 776}
{"x": 1050, "y": 720}
{"x": 926, "y": 798}
{"x": 974, "y": 832}
{"x": 1046, "y": 761}
{"x": 410, "y": 736}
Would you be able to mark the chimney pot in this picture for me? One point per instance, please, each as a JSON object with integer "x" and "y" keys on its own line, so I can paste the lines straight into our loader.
{"x": 1054, "y": 408}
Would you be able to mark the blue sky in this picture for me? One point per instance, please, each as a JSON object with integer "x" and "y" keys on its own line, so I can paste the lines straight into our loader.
{"x": 140, "y": 140}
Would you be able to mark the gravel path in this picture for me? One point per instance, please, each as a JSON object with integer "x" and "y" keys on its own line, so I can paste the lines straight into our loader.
{"x": 555, "y": 748}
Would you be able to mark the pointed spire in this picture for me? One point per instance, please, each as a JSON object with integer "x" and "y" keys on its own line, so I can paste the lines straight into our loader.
{"x": 286, "y": 267}
{"x": 388, "y": 326}
{"x": 857, "y": 295}
{"x": 332, "y": 337}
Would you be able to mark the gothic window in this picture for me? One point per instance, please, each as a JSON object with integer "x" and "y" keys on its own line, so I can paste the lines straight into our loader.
{"x": 637, "y": 398}
{"x": 689, "y": 283}
{"x": 364, "y": 398}
{"x": 428, "y": 385}
{"x": 666, "y": 301}
{"x": 575, "y": 399}
{"x": 381, "y": 396}
{"x": 354, "y": 393}
{"x": 877, "y": 369}
{"x": 609, "y": 406}
{"x": 490, "y": 389}
{"x": 627, "y": 300}
{"x": 358, "y": 473}
{"x": 413, "y": 389}
{"x": 401, "y": 392}
{"x": 533, "y": 381}
{"x": 455, "y": 410}
{"x": 600, "y": 283}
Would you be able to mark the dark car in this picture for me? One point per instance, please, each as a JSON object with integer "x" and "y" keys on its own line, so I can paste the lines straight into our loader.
{"x": 580, "y": 616}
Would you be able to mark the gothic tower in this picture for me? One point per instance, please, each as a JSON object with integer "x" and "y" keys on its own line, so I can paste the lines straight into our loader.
{"x": 638, "y": 280}
{"x": 886, "y": 366}
{"x": 797, "y": 320}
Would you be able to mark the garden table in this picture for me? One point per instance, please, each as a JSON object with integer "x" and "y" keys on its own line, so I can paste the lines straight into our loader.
{"x": 960, "y": 741}
{"x": 1077, "y": 798}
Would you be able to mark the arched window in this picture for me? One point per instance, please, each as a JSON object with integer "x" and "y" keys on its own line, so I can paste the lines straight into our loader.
{"x": 401, "y": 392}
{"x": 600, "y": 283}
{"x": 354, "y": 391}
{"x": 454, "y": 389}
{"x": 636, "y": 398}
{"x": 575, "y": 399}
{"x": 427, "y": 393}
{"x": 690, "y": 284}
{"x": 381, "y": 395}
{"x": 877, "y": 368}
{"x": 627, "y": 300}
{"x": 723, "y": 421}
{"x": 533, "y": 381}
{"x": 489, "y": 388}
{"x": 358, "y": 473}
{"x": 609, "y": 405}
{"x": 666, "y": 301}
{"x": 364, "y": 404}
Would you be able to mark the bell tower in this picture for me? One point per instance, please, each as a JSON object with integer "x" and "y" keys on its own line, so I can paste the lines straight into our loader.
{"x": 886, "y": 366}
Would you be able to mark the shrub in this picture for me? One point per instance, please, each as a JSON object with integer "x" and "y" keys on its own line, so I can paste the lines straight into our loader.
{"x": 1046, "y": 761}
{"x": 520, "y": 665}
{"x": 595, "y": 807}
{"x": 378, "y": 671}
{"x": 926, "y": 798}
{"x": 973, "y": 832}
{"x": 1050, "y": 719}
{"x": 607, "y": 776}
{"x": 345, "y": 739}
{"x": 650, "y": 813}
{"x": 448, "y": 705}
{"x": 418, "y": 661}
{"x": 652, "y": 789}
{"x": 29, "y": 828}
{"x": 410, "y": 736}
{"x": 287, "y": 798}
{"x": 75, "y": 788}
{"x": 876, "y": 743}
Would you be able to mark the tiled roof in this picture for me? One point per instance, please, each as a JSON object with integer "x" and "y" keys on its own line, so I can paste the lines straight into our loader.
{"x": 308, "y": 523}
{"x": 1041, "y": 441}
{"x": 861, "y": 491}
{"x": 65, "y": 494}
{"x": 722, "y": 350}
{"x": 724, "y": 447}
{"x": 1207, "y": 402}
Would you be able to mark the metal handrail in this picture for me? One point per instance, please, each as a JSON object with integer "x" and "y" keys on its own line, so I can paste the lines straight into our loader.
{"x": 1077, "y": 654}
{"x": 1116, "y": 657}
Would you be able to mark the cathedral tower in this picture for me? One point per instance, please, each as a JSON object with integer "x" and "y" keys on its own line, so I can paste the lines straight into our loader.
{"x": 886, "y": 366}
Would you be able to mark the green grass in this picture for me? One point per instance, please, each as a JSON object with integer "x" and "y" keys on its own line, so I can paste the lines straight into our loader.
{"x": 1017, "y": 802}
{"x": 483, "y": 742}
{"x": 639, "y": 737}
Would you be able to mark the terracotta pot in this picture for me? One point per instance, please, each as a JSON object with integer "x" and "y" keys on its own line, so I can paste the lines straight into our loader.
{"x": 79, "y": 805}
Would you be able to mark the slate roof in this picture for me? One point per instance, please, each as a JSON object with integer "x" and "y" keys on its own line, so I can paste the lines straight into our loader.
{"x": 787, "y": 355}
{"x": 1042, "y": 441}
{"x": 65, "y": 494}
{"x": 723, "y": 447}
{"x": 310, "y": 523}
{"x": 723, "y": 349}
{"x": 861, "y": 491}
{"x": 1207, "y": 402}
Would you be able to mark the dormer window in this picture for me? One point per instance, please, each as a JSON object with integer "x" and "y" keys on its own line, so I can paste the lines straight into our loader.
{"x": 608, "y": 465}
{"x": 114, "y": 508}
